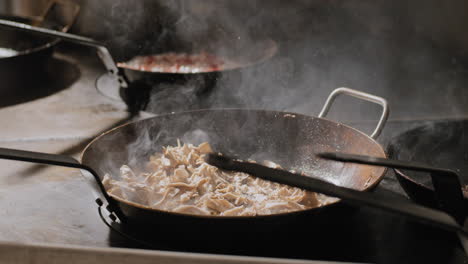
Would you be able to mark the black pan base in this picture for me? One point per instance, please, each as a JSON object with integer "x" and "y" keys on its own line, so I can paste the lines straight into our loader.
{"x": 350, "y": 234}
{"x": 32, "y": 58}
{"x": 279, "y": 240}
{"x": 441, "y": 144}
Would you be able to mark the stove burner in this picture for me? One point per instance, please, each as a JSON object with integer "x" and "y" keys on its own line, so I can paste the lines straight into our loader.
{"x": 56, "y": 75}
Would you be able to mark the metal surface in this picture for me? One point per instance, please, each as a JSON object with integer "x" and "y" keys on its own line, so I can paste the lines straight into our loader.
{"x": 108, "y": 152}
{"x": 33, "y": 53}
{"x": 331, "y": 44}
{"x": 415, "y": 211}
{"x": 368, "y": 160}
{"x": 102, "y": 51}
{"x": 46, "y": 20}
{"x": 364, "y": 96}
{"x": 58, "y": 160}
{"x": 63, "y": 122}
{"x": 138, "y": 96}
{"x": 234, "y": 131}
{"x": 439, "y": 143}
{"x": 446, "y": 182}
{"x": 14, "y": 253}
{"x": 188, "y": 89}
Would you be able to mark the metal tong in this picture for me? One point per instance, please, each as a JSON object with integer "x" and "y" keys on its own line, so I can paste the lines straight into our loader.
{"x": 451, "y": 221}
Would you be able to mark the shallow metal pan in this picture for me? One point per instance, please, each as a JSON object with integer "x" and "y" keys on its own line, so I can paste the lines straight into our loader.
{"x": 286, "y": 138}
{"x": 439, "y": 143}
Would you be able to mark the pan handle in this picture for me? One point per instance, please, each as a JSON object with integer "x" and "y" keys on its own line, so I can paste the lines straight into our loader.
{"x": 102, "y": 51}
{"x": 364, "y": 96}
{"x": 64, "y": 161}
{"x": 376, "y": 200}
{"x": 446, "y": 182}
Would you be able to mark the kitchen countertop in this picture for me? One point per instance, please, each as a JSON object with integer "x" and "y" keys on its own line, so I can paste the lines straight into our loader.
{"x": 33, "y": 208}
{"x": 14, "y": 253}
{"x": 44, "y": 204}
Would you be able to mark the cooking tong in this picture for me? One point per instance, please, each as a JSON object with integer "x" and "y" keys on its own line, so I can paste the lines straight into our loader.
{"x": 445, "y": 181}
{"x": 447, "y": 185}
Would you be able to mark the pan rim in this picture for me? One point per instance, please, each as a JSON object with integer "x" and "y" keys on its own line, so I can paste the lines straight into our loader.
{"x": 392, "y": 150}
{"x": 368, "y": 187}
{"x": 50, "y": 43}
{"x": 268, "y": 55}
{"x": 35, "y": 49}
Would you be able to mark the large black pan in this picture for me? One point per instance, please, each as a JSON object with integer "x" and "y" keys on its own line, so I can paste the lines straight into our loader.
{"x": 442, "y": 144}
{"x": 286, "y": 138}
{"x": 29, "y": 53}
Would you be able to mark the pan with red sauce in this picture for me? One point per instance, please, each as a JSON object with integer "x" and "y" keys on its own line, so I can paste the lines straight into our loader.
{"x": 177, "y": 63}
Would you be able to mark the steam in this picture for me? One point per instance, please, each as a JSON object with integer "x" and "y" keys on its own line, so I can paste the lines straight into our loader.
{"x": 196, "y": 137}
{"x": 372, "y": 46}
{"x": 385, "y": 48}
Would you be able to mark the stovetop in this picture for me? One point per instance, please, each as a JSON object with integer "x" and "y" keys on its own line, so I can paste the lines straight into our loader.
{"x": 53, "y": 204}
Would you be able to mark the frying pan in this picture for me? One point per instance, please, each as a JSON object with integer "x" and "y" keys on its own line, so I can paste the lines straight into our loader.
{"x": 288, "y": 139}
{"x": 31, "y": 53}
{"x": 447, "y": 189}
{"x": 442, "y": 144}
{"x": 241, "y": 57}
{"x": 136, "y": 85}
{"x": 169, "y": 84}
{"x": 132, "y": 93}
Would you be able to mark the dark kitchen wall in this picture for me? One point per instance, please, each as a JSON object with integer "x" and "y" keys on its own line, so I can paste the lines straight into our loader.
{"x": 410, "y": 52}
{"x": 443, "y": 21}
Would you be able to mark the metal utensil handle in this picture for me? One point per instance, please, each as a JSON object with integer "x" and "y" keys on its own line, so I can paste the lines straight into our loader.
{"x": 364, "y": 96}
{"x": 102, "y": 51}
{"x": 376, "y": 200}
{"x": 446, "y": 182}
{"x": 58, "y": 160}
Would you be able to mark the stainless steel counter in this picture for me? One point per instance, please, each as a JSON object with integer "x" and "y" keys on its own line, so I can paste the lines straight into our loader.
{"x": 44, "y": 204}
{"x": 13, "y": 253}
{"x": 53, "y": 204}
{"x": 48, "y": 213}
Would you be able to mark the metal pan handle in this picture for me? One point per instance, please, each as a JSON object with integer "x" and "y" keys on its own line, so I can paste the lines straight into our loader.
{"x": 102, "y": 51}
{"x": 364, "y": 96}
{"x": 60, "y": 160}
{"x": 446, "y": 182}
{"x": 376, "y": 200}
